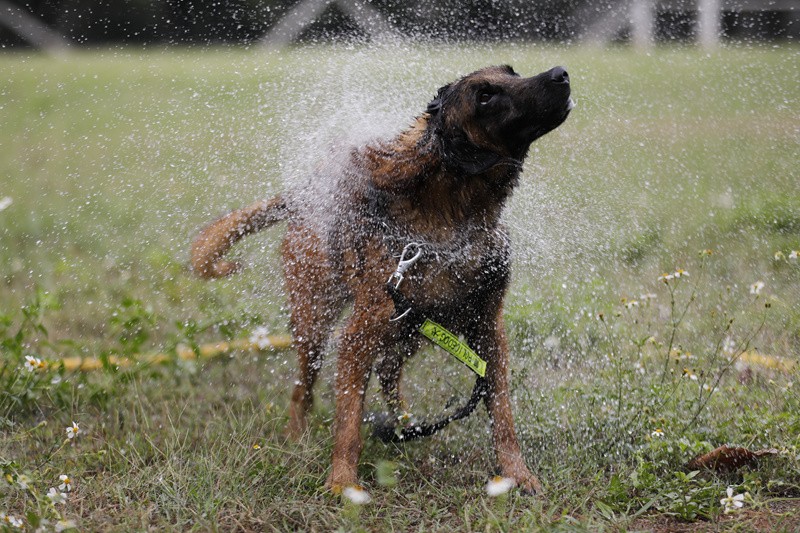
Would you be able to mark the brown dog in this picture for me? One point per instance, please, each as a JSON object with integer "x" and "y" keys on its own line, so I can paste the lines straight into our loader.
{"x": 443, "y": 184}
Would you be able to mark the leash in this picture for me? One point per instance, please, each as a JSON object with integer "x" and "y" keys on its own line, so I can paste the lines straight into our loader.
{"x": 385, "y": 427}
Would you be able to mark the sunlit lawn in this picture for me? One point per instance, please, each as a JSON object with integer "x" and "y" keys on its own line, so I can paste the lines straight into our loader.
{"x": 112, "y": 160}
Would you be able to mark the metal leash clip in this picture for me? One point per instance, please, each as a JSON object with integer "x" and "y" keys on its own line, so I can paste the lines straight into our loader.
{"x": 410, "y": 255}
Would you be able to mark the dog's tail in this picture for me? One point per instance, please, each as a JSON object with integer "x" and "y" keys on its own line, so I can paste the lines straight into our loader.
{"x": 217, "y": 238}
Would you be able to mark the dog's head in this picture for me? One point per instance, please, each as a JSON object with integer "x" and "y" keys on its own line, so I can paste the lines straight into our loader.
{"x": 493, "y": 115}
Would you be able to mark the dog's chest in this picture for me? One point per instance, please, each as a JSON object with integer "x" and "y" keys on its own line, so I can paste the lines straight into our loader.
{"x": 456, "y": 272}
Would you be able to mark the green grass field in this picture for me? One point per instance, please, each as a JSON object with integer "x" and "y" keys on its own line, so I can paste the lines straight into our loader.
{"x": 112, "y": 160}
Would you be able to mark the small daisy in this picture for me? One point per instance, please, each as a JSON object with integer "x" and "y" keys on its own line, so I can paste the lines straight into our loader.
{"x": 779, "y": 256}
{"x": 679, "y": 273}
{"x": 732, "y": 503}
{"x": 12, "y": 521}
{"x": 729, "y": 345}
{"x": 260, "y": 337}
{"x": 5, "y": 202}
{"x": 56, "y": 496}
{"x": 689, "y": 374}
{"x": 666, "y": 278}
{"x": 357, "y": 495}
{"x": 499, "y": 485}
{"x": 66, "y": 483}
{"x": 405, "y": 418}
{"x": 23, "y": 481}
{"x": 756, "y": 287}
{"x": 32, "y": 363}
{"x": 73, "y": 430}
{"x": 256, "y": 446}
{"x": 657, "y": 433}
{"x": 630, "y": 304}
{"x": 64, "y": 525}
{"x": 794, "y": 254}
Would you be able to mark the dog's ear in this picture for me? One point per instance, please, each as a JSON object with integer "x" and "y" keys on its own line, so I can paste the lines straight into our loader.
{"x": 509, "y": 70}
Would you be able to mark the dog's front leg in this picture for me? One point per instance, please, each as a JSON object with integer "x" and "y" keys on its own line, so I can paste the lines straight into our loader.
{"x": 366, "y": 336}
{"x": 489, "y": 340}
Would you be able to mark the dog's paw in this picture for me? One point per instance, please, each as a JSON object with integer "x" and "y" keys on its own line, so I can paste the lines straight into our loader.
{"x": 522, "y": 478}
{"x": 353, "y": 493}
{"x": 341, "y": 478}
{"x": 530, "y": 486}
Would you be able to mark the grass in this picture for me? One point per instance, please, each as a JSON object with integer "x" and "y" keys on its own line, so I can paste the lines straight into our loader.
{"x": 113, "y": 159}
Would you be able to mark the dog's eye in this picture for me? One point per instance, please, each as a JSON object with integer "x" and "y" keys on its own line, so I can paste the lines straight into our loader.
{"x": 485, "y": 97}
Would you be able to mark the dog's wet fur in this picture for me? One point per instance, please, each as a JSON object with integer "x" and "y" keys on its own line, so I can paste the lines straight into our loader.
{"x": 442, "y": 183}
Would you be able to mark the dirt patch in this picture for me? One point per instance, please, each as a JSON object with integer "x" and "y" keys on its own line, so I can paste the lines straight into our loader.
{"x": 779, "y": 515}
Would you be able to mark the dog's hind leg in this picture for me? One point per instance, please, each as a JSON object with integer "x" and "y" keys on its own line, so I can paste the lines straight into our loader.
{"x": 315, "y": 306}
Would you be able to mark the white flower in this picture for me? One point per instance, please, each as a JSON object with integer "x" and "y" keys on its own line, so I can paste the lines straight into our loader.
{"x": 12, "y": 521}
{"x": 499, "y": 485}
{"x": 689, "y": 374}
{"x": 32, "y": 363}
{"x": 731, "y": 503}
{"x": 5, "y": 202}
{"x": 73, "y": 430}
{"x": 647, "y": 296}
{"x": 56, "y": 496}
{"x": 23, "y": 481}
{"x": 260, "y": 337}
{"x": 405, "y": 419}
{"x": 63, "y": 525}
{"x": 666, "y": 277}
{"x": 756, "y": 287}
{"x": 794, "y": 254}
{"x": 729, "y": 345}
{"x": 680, "y": 273}
{"x": 66, "y": 483}
{"x": 357, "y": 495}
{"x": 657, "y": 433}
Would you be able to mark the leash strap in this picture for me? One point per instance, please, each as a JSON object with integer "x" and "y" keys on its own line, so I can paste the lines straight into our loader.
{"x": 384, "y": 426}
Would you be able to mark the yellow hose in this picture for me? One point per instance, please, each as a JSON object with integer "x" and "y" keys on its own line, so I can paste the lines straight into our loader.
{"x": 768, "y": 361}
{"x": 207, "y": 351}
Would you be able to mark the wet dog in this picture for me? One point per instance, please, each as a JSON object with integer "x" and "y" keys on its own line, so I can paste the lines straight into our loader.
{"x": 442, "y": 184}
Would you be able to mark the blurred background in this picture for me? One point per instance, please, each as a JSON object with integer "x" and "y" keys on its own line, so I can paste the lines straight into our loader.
{"x": 55, "y": 24}
{"x": 127, "y": 125}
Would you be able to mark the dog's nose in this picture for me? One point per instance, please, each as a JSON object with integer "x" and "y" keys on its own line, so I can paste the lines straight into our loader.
{"x": 559, "y": 75}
